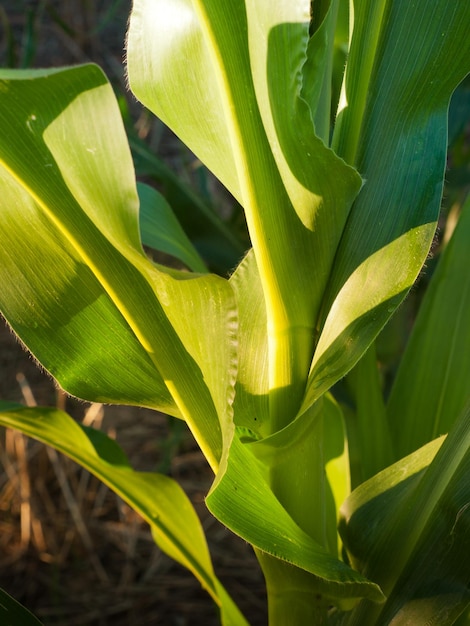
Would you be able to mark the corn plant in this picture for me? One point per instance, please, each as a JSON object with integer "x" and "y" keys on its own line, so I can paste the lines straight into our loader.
{"x": 356, "y": 501}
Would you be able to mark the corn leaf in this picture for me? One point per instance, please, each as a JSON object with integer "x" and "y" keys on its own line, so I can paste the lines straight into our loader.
{"x": 12, "y": 612}
{"x": 157, "y": 498}
{"x": 368, "y": 429}
{"x": 244, "y": 114}
{"x": 251, "y": 510}
{"x": 217, "y": 243}
{"x": 405, "y": 60}
{"x": 408, "y": 530}
{"x": 160, "y": 229}
{"x": 251, "y": 402}
{"x": 432, "y": 387}
{"x": 77, "y": 286}
{"x": 311, "y": 453}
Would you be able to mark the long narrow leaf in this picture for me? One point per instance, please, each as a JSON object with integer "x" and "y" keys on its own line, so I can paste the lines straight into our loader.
{"x": 311, "y": 453}
{"x": 252, "y": 511}
{"x": 157, "y": 498}
{"x": 432, "y": 385}
{"x": 251, "y": 403}
{"x": 12, "y": 612}
{"x": 161, "y": 230}
{"x": 406, "y": 58}
{"x": 73, "y": 214}
{"x": 368, "y": 429}
{"x": 407, "y": 529}
{"x": 215, "y": 241}
{"x": 243, "y": 113}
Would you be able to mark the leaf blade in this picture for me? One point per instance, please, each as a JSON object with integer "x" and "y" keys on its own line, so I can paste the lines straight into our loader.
{"x": 161, "y": 230}
{"x": 425, "y": 400}
{"x": 285, "y": 184}
{"x": 157, "y": 498}
{"x": 253, "y": 512}
{"x": 418, "y": 526}
{"x": 401, "y": 155}
{"x": 107, "y": 244}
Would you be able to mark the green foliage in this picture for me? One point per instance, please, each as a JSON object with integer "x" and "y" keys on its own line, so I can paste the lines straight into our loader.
{"x": 341, "y": 214}
{"x": 157, "y": 498}
{"x": 14, "y": 613}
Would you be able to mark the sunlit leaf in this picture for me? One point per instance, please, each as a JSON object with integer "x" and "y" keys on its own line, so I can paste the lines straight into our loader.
{"x": 405, "y": 60}
{"x": 251, "y": 510}
{"x": 243, "y": 114}
{"x": 103, "y": 319}
{"x": 157, "y": 498}
{"x": 251, "y": 403}
{"x": 408, "y": 530}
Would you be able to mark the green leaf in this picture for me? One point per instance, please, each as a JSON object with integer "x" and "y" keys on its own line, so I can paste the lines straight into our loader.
{"x": 243, "y": 113}
{"x": 251, "y": 510}
{"x": 251, "y": 402}
{"x": 12, "y": 612}
{"x": 405, "y": 60}
{"x": 296, "y": 458}
{"x": 102, "y": 318}
{"x": 408, "y": 529}
{"x": 431, "y": 387}
{"x": 318, "y": 69}
{"x": 61, "y": 310}
{"x": 157, "y": 498}
{"x": 368, "y": 428}
{"x": 160, "y": 229}
{"x": 335, "y": 452}
{"x": 464, "y": 619}
{"x": 459, "y": 112}
{"x": 215, "y": 241}
{"x": 156, "y": 31}
{"x": 311, "y": 453}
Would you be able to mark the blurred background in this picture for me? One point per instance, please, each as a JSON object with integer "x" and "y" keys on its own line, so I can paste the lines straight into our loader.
{"x": 70, "y": 549}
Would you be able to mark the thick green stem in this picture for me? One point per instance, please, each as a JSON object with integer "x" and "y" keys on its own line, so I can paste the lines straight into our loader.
{"x": 272, "y": 223}
{"x": 293, "y": 599}
{"x": 290, "y": 353}
{"x": 298, "y": 479}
